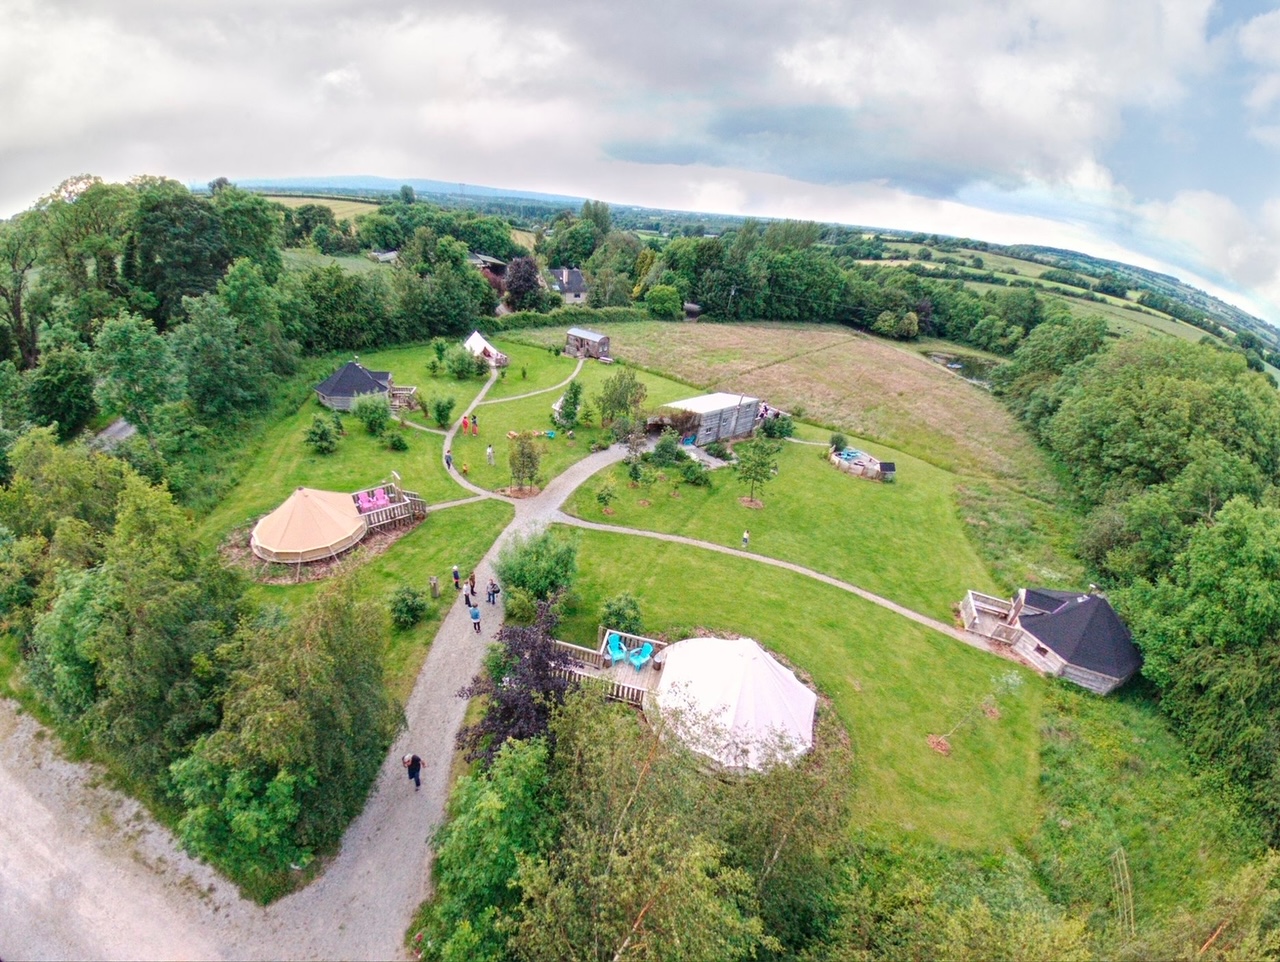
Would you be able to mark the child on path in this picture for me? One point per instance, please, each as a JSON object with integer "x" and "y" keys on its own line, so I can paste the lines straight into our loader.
{"x": 457, "y": 578}
{"x": 448, "y": 459}
{"x": 491, "y": 594}
{"x": 475, "y": 618}
{"x": 746, "y": 538}
{"x": 413, "y": 764}
{"x": 488, "y": 455}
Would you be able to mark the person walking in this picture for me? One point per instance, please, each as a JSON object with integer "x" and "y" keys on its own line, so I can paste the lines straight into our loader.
{"x": 746, "y": 538}
{"x": 465, "y": 424}
{"x": 457, "y": 578}
{"x": 488, "y": 455}
{"x": 413, "y": 765}
{"x": 448, "y": 459}
{"x": 466, "y": 596}
{"x": 471, "y": 580}
{"x": 491, "y": 594}
{"x": 475, "y": 618}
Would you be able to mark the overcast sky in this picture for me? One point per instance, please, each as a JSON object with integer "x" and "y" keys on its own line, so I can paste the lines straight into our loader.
{"x": 1146, "y": 130}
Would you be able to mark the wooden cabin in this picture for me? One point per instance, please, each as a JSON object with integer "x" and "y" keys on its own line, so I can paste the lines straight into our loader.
{"x": 1066, "y": 634}
{"x": 340, "y": 390}
{"x": 580, "y": 342}
{"x": 720, "y": 416}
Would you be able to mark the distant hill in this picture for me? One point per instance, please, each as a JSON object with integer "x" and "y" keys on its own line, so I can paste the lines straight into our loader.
{"x": 362, "y": 185}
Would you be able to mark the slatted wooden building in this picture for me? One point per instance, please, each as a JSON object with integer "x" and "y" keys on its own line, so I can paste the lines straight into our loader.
{"x": 721, "y": 416}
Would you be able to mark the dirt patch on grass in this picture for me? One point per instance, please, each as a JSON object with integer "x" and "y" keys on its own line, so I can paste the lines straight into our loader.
{"x": 237, "y": 553}
{"x": 519, "y": 493}
{"x": 753, "y": 503}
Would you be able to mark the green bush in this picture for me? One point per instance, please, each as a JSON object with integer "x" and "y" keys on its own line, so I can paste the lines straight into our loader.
{"x": 442, "y": 410}
{"x": 373, "y": 411}
{"x": 622, "y": 613}
{"x": 838, "y": 441}
{"x": 667, "y": 452}
{"x": 606, "y": 494}
{"x": 780, "y": 427}
{"x": 520, "y": 607}
{"x": 694, "y": 472}
{"x": 664, "y": 302}
{"x": 540, "y": 564}
{"x": 321, "y": 435}
{"x": 408, "y": 605}
{"x": 460, "y": 362}
{"x": 397, "y": 442}
{"x": 718, "y": 450}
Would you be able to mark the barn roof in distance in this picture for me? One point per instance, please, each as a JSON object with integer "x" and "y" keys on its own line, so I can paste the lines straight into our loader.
{"x": 1085, "y": 631}
{"x": 353, "y": 379}
{"x": 586, "y": 335}
{"x": 712, "y": 402}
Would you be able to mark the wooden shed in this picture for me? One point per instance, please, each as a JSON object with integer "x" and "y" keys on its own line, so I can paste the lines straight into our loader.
{"x": 583, "y": 343}
{"x": 721, "y": 416}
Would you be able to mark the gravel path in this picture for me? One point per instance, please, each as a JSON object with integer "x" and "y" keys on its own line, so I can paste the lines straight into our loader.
{"x": 545, "y": 390}
{"x": 86, "y": 873}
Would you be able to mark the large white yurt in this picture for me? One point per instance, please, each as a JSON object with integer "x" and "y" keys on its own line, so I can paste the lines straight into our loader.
{"x": 311, "y": 525}
{"x": 735, "y": 703}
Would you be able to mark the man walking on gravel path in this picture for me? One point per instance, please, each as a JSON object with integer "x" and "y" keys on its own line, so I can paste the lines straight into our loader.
{"x": 413, "y": 765}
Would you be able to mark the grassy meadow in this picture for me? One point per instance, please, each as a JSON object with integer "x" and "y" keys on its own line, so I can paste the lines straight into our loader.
{"x": 342, "y": 207}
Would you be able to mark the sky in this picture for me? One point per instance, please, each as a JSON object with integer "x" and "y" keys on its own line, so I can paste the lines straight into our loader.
{"x": 1144, "y": 130}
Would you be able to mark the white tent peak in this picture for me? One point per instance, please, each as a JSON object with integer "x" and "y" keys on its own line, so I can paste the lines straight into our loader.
{"x": 756, "y": 706}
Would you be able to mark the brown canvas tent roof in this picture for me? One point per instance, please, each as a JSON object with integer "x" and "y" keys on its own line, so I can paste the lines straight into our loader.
{"x": 309, "y": 526}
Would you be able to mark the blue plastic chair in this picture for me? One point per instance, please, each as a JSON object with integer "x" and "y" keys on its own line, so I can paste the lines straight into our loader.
{"x": 640, "y": 656}
{"x": 616, "y": 650}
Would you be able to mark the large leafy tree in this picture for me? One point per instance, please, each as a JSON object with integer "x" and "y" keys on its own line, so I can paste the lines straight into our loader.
{"x": 305, "y": 724}
{"x": 224, "y": 375}
{"x": 60, "y": 391}
{"x": 181, "y": 249}
{"x": 136, "y": 370}
{"x": 20, "y": 241}
{"x": 252, "y": 229}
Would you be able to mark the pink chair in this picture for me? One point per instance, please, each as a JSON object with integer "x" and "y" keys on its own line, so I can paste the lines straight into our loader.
{"x": 380, "y": 499}
{"x": 364, "y": 503}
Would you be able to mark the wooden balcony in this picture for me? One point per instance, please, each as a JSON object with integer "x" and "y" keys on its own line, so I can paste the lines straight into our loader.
{"x": 623, "y": 681}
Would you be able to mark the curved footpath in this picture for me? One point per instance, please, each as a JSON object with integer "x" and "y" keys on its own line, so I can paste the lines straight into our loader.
{"x": 86, "y": 873}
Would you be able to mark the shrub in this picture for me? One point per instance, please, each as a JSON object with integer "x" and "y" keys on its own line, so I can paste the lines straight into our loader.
{"x": 373, "y": 411}
{"x": 442, "y": 410}
{"x": 408, "y": 605}
{"x": 664, "y": 302}
{"x": 321, "y": 436}
{"x": 396, "y": 442}
{"x": 621, "y": 428}
{"x": 460, "y": 362}
{"x": 541, "y": 564}
{"x": 780, "y": 427}
{"x": 666, "y": 452}
{"x": 718, "y": 450}
{"x": 606, "y": 494}
{"x": 520, "y": 606}
{"x": 622, "y": 612}
{"x": 694, "y": 472}
{"x": 338, "y": 428}
{"x": 839, "y": 441}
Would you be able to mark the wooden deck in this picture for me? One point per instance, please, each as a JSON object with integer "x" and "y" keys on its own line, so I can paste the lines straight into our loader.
{"x": 624, "y": 683}
{"x": 405, "y": 507}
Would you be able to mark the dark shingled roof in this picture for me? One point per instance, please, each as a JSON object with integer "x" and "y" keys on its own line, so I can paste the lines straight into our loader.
{"x": 1046, "y": 599}
{"x": 569, "y": 280}
{"x": 1086, "y": 632}
{"x": 354, "y": 378}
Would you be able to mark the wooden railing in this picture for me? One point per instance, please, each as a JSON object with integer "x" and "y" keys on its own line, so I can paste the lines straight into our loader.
{"x": 585, "y": 655}
{"x": 614, "y": 689}
{"x": 628, "y": 640}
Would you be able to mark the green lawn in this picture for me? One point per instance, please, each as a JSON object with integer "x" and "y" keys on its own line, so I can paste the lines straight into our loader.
{"x": 458, "y": 536}
{"x": 904, "y": 541}
{"x": 302, "y": 258}
{"x": 534, "y": 414}
{"x": 541, "y": 370}
{"x": 891, "y": 681}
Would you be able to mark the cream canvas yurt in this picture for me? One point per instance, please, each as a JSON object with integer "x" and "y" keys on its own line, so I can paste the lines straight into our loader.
{"x": 735, "y": 703}
{"x": 311, "y": 525}
{"x": 478, "y": 346}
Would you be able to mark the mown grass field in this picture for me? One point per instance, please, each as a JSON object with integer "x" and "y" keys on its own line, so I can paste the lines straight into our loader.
{"x": 886, "y": 395}
{"x": 892, "y": 682}
{"x": 904, "y": 541}
{"x": 300, "y": 258}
